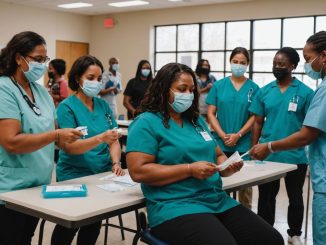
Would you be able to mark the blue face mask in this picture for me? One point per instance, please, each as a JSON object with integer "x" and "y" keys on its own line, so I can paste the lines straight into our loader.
{"x": 92, "y": 88}
{"x": 115, "y": 67}
{"x": 145, "y": 72}
{"x": 238, "y": 70}
{"x": 35, "y": 71}
{"x": 311, "y": 72}
{"x": 182, "y": 101}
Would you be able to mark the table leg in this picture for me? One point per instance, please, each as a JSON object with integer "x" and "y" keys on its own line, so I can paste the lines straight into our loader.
{"x": 41, "y": 231}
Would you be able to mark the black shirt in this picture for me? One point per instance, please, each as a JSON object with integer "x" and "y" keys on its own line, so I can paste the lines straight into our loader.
{"x": 136, "y": 90}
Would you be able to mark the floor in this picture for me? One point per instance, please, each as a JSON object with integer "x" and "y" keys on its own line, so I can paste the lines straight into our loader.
{"x": 129, "y": 220}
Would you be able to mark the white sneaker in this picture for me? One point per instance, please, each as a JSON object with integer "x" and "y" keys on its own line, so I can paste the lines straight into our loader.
{"x": 295, "y": 240}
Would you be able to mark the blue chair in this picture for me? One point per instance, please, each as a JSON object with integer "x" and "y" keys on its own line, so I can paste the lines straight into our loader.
{"x": 144, "y": 234}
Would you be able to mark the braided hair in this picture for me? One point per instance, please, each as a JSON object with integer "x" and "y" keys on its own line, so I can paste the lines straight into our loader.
{"x": 318, "y": 41}
{"x": 157, "y": 96}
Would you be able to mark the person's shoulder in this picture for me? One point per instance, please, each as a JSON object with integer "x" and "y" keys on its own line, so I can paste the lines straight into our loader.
{"x": 67, "y": 102}
{"x": 5, "y": 82}
{"x": 101, "y": 102}
{"x": 220, "y": 82}
{"x": 147, "y": 118}
{"x": 305, "y": 88}
{"x": 252, "y": 83}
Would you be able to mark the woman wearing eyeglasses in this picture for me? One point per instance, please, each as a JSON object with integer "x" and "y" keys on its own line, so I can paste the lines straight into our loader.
{"x": 27, "y": 129}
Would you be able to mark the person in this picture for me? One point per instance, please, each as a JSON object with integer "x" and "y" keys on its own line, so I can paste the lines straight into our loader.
{"x": 27, "y": 128}
{"x": 312, "y": 132}
{"x": 205, "y": 81}
{"x": 112, "y": 85}
{"x": 280, "y": 108}
{"x": 57, "y": 85}
{"x": 98, "y": 151}
{"x": 137, "y": 87}
{"x": 228, "y": 111}
{"x": 173, "y": 154}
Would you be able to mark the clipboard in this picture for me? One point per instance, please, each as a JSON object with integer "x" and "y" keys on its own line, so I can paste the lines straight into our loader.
{"x": 64, "y": 191}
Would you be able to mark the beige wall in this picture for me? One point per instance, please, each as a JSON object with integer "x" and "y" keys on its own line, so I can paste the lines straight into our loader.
{"x": 52, "y": 25}
{"x": 131, "y": 39}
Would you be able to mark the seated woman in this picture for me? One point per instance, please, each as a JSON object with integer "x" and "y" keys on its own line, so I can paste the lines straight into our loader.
{"x": 97, "y": 152}
{"x": 171, "y": 152}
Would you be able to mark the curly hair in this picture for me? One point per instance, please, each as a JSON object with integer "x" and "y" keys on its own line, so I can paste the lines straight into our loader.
{"x": 157, "y": 96}
{"x": 292, "y": 55}
{"x": 22, "y": 43}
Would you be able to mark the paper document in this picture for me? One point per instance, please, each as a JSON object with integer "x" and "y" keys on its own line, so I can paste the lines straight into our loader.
{"x": 125, "y": 180}
{"x": 235, "y": 157}
{"x": 111, "y": 187}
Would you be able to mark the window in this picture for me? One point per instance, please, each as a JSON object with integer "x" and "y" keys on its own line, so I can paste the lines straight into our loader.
{"x": 214, "y": 41}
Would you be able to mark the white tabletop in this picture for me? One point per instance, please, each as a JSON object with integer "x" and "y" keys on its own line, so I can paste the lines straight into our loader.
{"x": 124, "y": 123}
{"x": 98, "y": 203}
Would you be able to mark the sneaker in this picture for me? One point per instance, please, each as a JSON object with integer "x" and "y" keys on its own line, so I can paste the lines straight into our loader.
{"x": 295, "y": 240}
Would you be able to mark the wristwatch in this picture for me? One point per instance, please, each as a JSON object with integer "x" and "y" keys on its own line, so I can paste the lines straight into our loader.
{"x": 114, "y": 163}
{"x": 269, "y": 145}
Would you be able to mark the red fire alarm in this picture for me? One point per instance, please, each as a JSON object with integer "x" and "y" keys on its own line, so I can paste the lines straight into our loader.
{"x": 108, "y": 23}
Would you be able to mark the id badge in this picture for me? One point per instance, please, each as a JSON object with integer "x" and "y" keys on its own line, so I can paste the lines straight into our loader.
{"x": 293, "y": 107}
{"x": 206, "y": 136}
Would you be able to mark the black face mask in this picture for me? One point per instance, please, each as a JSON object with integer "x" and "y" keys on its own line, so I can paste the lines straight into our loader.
{"x": 280, "y": 73}
{"x": 204, "y": 71}
{"x": 51, "y": 75}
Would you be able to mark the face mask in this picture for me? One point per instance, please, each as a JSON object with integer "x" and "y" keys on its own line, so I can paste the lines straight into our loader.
{"x": 91, "y": 88}
{"x": 203, "y": 70}
{"x": 182, "y": 101}
{"x": 51, "y": 75}
{"x": 280, "y": 73}
{"x": 35, "y": 71}
{"x": 238, "y": 70}
{"x": 115, "y": 67}
{"x": 145, "y": 72}
{"x": 311, "y": 72}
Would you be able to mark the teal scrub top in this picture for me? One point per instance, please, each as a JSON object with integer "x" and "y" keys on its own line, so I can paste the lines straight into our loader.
{"x": 171, "y": 146}
{"x": 20, "y": 171}
{"x": 281, "y": 122}
{"x": 232, "y": 110}
{"x": 316, "y": 118}
{"x": 72, "y": 113}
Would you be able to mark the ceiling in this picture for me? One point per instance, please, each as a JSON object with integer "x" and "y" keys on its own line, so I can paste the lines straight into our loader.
{"x": 102, "y": 7}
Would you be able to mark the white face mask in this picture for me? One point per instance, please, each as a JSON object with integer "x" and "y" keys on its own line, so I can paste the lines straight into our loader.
{"x": 91, "y": 88}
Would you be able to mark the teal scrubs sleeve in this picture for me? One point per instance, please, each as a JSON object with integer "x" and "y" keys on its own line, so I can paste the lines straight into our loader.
{"x": 172, "y": 146}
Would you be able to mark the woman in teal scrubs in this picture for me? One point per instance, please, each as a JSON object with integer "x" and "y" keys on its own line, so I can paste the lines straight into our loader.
{"x": 280, "y": 108}
{"x": 228, "y": 111}
{"x": 27, "y": 129}
{"x": 313, "y": 132}
{"x": 98, "y": 151}
{"x": 171, "y": 151}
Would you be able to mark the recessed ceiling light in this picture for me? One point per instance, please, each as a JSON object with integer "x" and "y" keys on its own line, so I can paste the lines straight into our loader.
{"x": 128, "y": 3}
{"x": 75, "y": 5}
{"x": 176, "y": 0}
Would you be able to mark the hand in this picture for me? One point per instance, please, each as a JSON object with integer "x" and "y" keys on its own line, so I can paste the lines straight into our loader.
{"x": 231, "y": 169}
{"x": 68, "y": 135}
{"x": 209, "y": 86}
{"x": 109, "y": 136}
{"x": 115, "y": 90}
{"x": 116, "y": 168}
{"x": 259, "y": 151}
{"x": 231, "y": 139}
{"x": 202, "y": 169}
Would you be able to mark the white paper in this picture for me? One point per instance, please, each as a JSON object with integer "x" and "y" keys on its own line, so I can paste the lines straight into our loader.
{"x": 235, "y": 157}
{"x": 111, "y": 187}
{"x": 126, "y": 180}
{"x": 83, "y": 130}
{"x": 108, "y": 177}
{"x": 56, "y": 188}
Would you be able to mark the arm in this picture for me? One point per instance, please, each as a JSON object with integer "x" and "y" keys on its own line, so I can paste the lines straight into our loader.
{"x": 234, "y": 138}
{"x": 142, "y": 168}
{"x": 127, "y": 104}
{"x": 304, "y": 137}
{"x": 257, "y": 127}
{"x": 115, "y": 153}
{"x": 15, "y": 142}
{"x": 211, "y": 114}
{"x": 107, "y": 90}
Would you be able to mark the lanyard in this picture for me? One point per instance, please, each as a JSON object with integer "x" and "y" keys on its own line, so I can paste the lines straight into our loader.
{"x": 109, "y": 118}
{"x": 31, "y": 105}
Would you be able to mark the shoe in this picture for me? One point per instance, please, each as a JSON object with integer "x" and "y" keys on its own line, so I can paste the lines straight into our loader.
{"x": 295, "y": 240}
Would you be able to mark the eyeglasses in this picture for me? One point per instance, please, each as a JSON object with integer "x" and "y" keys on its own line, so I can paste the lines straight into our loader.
{"x": 39, "y": 59}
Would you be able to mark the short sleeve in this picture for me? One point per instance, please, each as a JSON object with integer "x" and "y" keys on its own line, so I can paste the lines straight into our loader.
{"x": 316, "y": 115}
{"x": 142, "y": 137}
{"x": 257, "y": 105}
{"x": 9, "y": 108}
{"x": 308, "y": 101}
{"x": 65, "y": 116}
{"x": 63, "y": 90}
{"x": 129, "y": 89}
{"x": 212, "y": 96}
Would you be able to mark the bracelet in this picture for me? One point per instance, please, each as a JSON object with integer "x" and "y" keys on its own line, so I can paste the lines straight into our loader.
{"x": 57, "y": 136}
{"x": 240, "y": 134}
{"x": 269, "y": 145}
{"x": 188, "y": 165}
{"x": 114, "y": 163}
